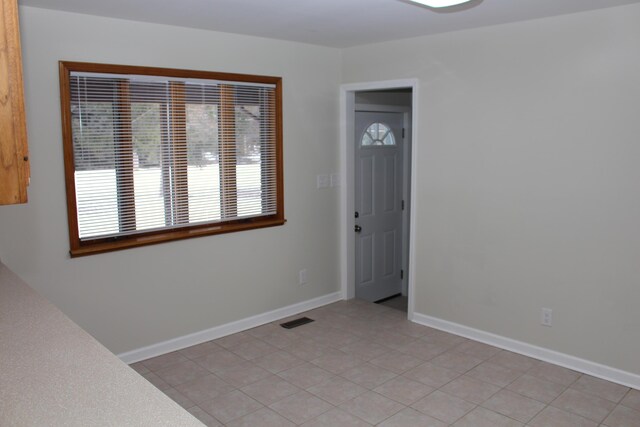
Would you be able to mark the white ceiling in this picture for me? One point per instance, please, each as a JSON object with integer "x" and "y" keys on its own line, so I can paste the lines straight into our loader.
{"x": 336, "y": 23}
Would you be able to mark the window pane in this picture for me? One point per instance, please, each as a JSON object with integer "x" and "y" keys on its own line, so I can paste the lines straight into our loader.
{"x": 378, "y": 134}
{"x": 203, "y": 165}
{"x": 95, "y": 176}
{"x": 248, "y": 153}
{"x": 93, "y": 135}
{"x": 97, "y": 202}
{"x": 146, "y": 129}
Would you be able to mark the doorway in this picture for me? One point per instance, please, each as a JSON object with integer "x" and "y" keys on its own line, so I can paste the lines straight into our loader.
{"x": 377, "y": 147}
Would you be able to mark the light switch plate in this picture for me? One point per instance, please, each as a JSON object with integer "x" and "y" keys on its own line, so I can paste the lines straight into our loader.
{"x": 322, "y": 180}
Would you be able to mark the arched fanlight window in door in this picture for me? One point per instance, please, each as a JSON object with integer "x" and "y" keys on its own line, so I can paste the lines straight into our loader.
{"x": 378, "y": 134}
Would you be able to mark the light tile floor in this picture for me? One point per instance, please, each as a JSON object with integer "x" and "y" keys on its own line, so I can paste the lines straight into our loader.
{"x": 362, "y": 364}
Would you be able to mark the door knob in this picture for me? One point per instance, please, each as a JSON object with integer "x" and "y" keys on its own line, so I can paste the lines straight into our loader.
{"x": 357, "y": 229}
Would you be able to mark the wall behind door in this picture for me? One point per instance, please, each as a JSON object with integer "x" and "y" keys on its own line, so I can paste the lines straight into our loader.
{"x": 528, "y": 177}
{"x": 137, "y": 297}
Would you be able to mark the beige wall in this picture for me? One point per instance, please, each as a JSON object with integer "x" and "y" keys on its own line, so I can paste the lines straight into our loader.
{"x": 142, "y": 296}
{"x": 527, "y": 179}
{"x": 527, "y": 183}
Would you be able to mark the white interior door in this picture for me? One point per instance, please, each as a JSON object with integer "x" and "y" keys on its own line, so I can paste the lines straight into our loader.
{"x": 378, "y": 204}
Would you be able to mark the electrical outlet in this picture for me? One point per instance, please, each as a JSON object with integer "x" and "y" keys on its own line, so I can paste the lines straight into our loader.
{"x": 546, "y": 317}
{"x": 302, "y": 276}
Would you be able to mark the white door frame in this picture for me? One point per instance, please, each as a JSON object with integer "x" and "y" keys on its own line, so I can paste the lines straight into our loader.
{"x": 347, "y": 190}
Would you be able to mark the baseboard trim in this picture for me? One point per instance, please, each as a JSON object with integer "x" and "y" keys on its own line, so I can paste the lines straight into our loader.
{"x": 565, "y": 360}
{"x": 226, "y": 329}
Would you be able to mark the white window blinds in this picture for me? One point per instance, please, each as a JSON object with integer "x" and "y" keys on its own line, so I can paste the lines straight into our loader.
{"x": 155, "y": 153}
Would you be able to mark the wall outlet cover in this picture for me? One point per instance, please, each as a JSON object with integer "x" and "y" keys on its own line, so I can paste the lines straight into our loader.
{"x": 302, "y": 276}
{"x": 546, "y": 317}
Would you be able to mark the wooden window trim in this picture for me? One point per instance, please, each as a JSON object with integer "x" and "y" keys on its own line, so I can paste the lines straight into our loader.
{"x": 179, "y": 149}
{"x": 81, "y": 248}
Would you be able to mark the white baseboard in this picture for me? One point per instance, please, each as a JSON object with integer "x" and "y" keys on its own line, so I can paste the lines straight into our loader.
{"x": 577, "y": 364}
{"x": 226, "y": 329}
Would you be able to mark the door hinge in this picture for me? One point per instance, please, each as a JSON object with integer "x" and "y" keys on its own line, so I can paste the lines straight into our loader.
{"x": 401, "y": 274}
{"x": 402, "y": 205}
{"x": 403, "y": 132}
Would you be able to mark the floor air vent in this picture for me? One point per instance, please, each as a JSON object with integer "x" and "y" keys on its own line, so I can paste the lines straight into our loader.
{"x": 295, "y": 323}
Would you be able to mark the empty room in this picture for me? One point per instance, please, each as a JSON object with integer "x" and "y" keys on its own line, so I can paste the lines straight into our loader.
{"x": 331, "y": 213}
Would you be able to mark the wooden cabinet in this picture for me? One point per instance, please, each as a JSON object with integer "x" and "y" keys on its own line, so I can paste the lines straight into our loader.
{"x": 14, "y": 156}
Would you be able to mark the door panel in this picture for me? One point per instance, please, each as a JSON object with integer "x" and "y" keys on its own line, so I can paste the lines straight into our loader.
{"x": 390, "y": 191}
{"x": 366, "y": 261}
{"x": 366, "y": 186}
{"x": 389, "y": 253}
{"x": 378, "y": 192}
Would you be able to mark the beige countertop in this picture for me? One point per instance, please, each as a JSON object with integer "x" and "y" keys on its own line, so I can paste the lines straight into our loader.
{"x": 53, "y": 373}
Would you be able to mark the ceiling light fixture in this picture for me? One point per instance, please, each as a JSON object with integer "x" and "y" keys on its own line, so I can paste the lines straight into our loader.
{"x": 440, "y": 3}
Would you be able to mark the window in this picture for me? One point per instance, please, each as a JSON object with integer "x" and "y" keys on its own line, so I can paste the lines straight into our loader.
{"x": 160, "y": 154}
{"x": 378, "y": 134}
